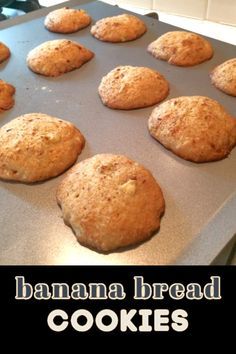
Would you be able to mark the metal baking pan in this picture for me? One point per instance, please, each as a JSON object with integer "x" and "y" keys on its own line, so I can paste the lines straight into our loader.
{"x": 200, "y": 217}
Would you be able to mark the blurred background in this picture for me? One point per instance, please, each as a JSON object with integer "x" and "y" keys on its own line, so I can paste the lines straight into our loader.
{"x": 212, "y": 18}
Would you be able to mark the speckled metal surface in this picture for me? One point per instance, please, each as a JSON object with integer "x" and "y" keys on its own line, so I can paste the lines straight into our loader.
{"x": 200, "y": 198}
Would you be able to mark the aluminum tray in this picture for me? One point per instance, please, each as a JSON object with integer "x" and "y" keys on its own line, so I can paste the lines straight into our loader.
{"x": 200, "y": 218}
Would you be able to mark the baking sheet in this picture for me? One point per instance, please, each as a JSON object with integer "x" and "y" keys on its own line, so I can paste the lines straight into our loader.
{"x": 200, "y": 198}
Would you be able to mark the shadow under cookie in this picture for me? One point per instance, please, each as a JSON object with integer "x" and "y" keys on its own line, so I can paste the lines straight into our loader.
{"x": 131, "y": 87}
{"x": 35, "y": 147}
{"x": 57, "y": 57}
{"x": 195, "y": 128}
{"x": 110, "y": 202}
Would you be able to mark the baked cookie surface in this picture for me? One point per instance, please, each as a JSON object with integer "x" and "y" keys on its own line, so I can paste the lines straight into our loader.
{"x": 56, "y": 57}
{"x": 67, "y": 20}
{"x": 130, "y": 87}
{"x": 36, "y": 146}
{"x": 6, "y": 96}
{"x": 121, "y": 28}
{"x": 4, "y": 52}
{"x": 110, "y": 202}
{"x": 195, "y": 128}
{"x": 181, "y": 48}
{"x": 224, "y": 77}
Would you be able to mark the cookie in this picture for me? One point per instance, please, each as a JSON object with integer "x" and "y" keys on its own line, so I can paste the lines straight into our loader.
{"x": 4, "y": 52}
{"x": 224, "y": 77}
{"x": 67, "y": 20}
{"x": 36, "y": 146}
{"x": 110, "y": 202}
{"x": 130, "y": 87}
{"x": 195, "y": 128}
{"x": 121, "y": 28}
{"x": 6, "y": 93}
{"x": 181, "y": 48}
{"x": 54, "y": 58}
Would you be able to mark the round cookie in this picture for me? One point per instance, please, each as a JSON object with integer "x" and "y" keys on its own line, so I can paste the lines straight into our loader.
{"x": 36, "y": 146}
{"x": 6, "y": 93}
{"x": 181, "y": 48}
{"x": 54, "y": 58}
{"x": 110, "y": 202}
{"x": 121, "y": 28}
{"x": 195, "y": 128}
{"x": 4, "y": 52}
{"x": 130, "y": 87}
{"x": 224, "y": 77}
{"x": 67, "y": 20}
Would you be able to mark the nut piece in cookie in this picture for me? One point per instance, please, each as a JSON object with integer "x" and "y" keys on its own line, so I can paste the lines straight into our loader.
{"x": 130, "y": 87}
{"x": 181, "y": 48}
{"x": 54, "y": 58}
{"x": 195, "y": 128}
{"x": 36, "y": 146}
{"x": 224, "y": 77}
{"x": 4, "y": 52}
{"x": 67, "y": 20}
{"x": 6, "y": 96}
{"x": 121, "y": 28}
{"x": 110, "y": 202}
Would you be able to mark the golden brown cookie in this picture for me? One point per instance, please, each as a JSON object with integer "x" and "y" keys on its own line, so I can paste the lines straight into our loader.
{"x": 181, "y": 48}
{"x": 54, "y": 58}
{"x": 110, "y": 202}
{"x": 130, "y": 87}
{"x": 121, "y": 28}
{"x": 36, "y": 146}
{"x": 6, "y": 93}
{"x": 4, "y": 52}
{"x": 67, "y": 20}
{"x": 224, "y": 77}
{"x": 195, "y": 128}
